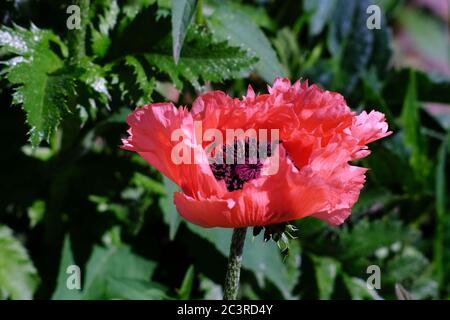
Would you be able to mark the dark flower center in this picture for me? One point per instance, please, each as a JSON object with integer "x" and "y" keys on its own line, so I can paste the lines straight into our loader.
{"x": 240, "y": 162}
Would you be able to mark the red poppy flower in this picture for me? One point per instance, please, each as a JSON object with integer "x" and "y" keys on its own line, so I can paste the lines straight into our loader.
{"x": 317, "y": 136}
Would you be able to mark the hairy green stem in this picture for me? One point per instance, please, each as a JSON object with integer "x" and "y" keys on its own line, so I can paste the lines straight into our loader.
{"x": 231, "y": 286}
{"x": 199, "y": 19}
{"x": 77, "y": 36}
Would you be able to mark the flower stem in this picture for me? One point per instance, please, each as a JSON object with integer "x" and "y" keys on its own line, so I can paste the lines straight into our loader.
{"x": 77, "y": 37}
{"x": 234, "y": 264}
{"x": 199, "y": 19}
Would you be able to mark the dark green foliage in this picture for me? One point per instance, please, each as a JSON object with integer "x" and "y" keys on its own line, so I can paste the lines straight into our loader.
{"x": 71, "y": 196}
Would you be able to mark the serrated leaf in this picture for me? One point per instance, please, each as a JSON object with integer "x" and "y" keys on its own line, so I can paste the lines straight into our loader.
{"x": 18, "y": 276}
{"x": 131, "y": 9}
{"x": 107, "y": 20}
{"x": 229, "y": 24}
{"x": 145, "y": 85}
{"x": 93, "y": 75}
{"x": 42, "y": 86}
{"x": 182, "y": 13}
{"x": 201, "y": 58}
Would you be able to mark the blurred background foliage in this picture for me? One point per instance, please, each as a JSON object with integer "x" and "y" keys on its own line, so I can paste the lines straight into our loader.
{"x": 70, "y": 195}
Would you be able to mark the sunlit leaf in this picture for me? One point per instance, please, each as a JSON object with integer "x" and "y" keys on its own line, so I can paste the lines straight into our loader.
{"x": 18, "y": 276}
{"x": 101, "y": 39}
{"x": 201, "y": 58}
{"x": 42, "y": 86}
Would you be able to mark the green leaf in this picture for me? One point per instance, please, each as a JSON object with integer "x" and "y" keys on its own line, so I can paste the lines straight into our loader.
{"x": 113, "y": 262}
{"x": 326, "y": 270}
{"x": 228, "y": 23}
{"x": 41, "y": 85}
{"x": 441, "y": 238}
{"x": 132, "y": 289}
{"x": 18, "y": 276}
{"x": 182, "y": 13}
{"x": 412, "y": 135}
{"x": 201, "y": 58}
{"x": 350, "y": 42}
{"x": 94, "y": 76}
{"x": 101, "y": 39}
{"x": 131, "y": 9}
{"x": 170, "y": 213}
{"x": 184, "y": 292}
{"x": 258, "y": 14}
{"x": 145, "y": 85}
{"x": 62, "y": 292}
{"x": 390, "y": 168}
